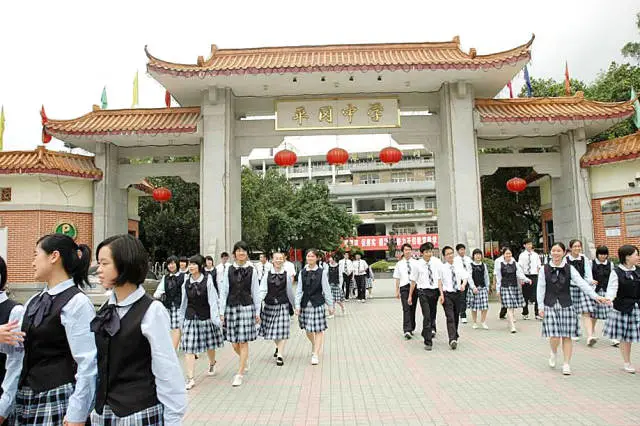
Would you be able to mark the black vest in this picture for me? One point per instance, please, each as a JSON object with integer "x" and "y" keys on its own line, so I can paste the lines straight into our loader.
{"x": 198, "y": 298}
{"x": 477, "y": 273}
{"x": 557, "y": 282}
{"x": 628, "y": 290}
{"x": 173, "y": 290}
{"x": 509, "y": 277}
{"x": 276, "y": 288}
{"x": 48, "y": 362}
{"x": 125, "y": 380}
{"x": 5, "y": 313}
{"x": 312, "y": 288}
{"x": 578, "y": 264}
{"x": 601, "y": 274}
{"x": 240, "y": 286}
{"x": 334, "y": 274}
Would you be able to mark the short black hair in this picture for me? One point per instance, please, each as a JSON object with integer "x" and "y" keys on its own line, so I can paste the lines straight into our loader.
{"x": 198, "y": 260}
{"x": 3, "y": 274}
{"x": 426, "y": 246}
{"x": 240, "y": 245}
{"x": 572, "y": 242}
{"x": 208, "y": 258}
{"x": 316, "y": 252}
{"x": 476, "y": 251}
{"x": 129, "y": 257}
{"x": 460, "y": 246}
{"x": 559, "y": 244}
{"x": 406, "y": 245}
{"x": 626, "y": 251}
{"x": 224, "y": 254}
{"x": 173, "y": 258}
{"x": 602, "y": 250}
{"x": 527, "y": 241}
{"x": 505, "y": 249}
{"x": 184, "y": 259}
{"x": 445, "y": 248}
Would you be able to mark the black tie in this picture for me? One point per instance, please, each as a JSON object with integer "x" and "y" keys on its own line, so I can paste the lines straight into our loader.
{"x": 107, "y": 321}
{"x": 39, "y": 309}
{"x": 409, "y": 271}
{"x": 429, "y": 273}
{"x": 453, "y": 277}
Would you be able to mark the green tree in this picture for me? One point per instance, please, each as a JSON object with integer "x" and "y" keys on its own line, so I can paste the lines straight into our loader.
{"x": 548, "y": 87}
{"x": 632, "y": 48}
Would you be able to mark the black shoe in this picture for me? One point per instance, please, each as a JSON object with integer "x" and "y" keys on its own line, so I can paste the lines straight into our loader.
{"x": 407, "y": 336}
{"x": 411, "y": 332}
{"x": 428, "y": 347}
{"x": 279, "y": 361}
{"x": 197, "y": 356}
{"x": 433, "y": 333}
{"x": 275, "y": 354}
{"x": 453, "y": 344}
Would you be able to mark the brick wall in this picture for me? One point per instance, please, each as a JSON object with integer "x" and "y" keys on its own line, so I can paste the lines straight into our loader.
{"x": 26, "y": 227}
{"x": 133, "y": 228}
{"x": 613, "y": 243}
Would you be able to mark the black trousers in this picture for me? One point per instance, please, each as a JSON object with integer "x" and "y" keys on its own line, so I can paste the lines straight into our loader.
{"x": 463, "y": 303}
{"x": 346, "y": 284}
{"x": 361, "y": 283}
{"x": 428, "y": 304}
{"x": 408, "y": 311}
{"x": 530, "y": 292}
{"x": 452, "y": 312}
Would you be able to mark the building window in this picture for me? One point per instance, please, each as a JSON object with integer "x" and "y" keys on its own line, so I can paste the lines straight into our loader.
{"x": 399, "y": 204}
{"x": 404, "y": 228}
{"x": 5, "y": 194}
{"x": 402, "y": 177}
{"x": 369, "y": 178}
{"x": 431, "y": 229}
{"x": 430, "y": 174}
{"x": 430, "y": 203}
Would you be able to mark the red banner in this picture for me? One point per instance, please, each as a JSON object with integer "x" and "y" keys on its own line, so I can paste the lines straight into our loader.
{"x": 379, "y": 242}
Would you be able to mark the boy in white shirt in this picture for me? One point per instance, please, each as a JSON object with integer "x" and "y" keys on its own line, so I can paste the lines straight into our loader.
{"x": 463, "y": 261}
{"x": 530, "y": 263}
{"x": 453, "y": 282}
{"x": 402, "y": 274}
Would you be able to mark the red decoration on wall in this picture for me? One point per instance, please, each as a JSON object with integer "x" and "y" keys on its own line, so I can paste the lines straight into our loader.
{"x": 43, "y": 116}
{"x": 390, "y": 155}
{"x": 285, "y": 158}
{"x": 516, "y": 184}
{"x": 337, "y": 156}
{"x": 162, "y": 194}
{"x": 46, "y": 137}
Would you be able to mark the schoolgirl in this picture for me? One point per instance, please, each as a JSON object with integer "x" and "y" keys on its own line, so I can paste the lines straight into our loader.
{"x": 139, "y": 375}
{"x": 201, "y": 327}
{"x": 507, "y": 286}
{"x": 312, "y": 294}
{"x": 623, "y": 322}
{"x": 601, "y": 269}
{"x": 480, "y": 300}
{"x": 559, "y": 320}
{"x": 183, "y": 265}
{"x": 240, "y": 306}
{"x": 583, "y": 305}
{"x": 209, "y": 266}
{"x": 335, "y": 282}
{"x": 169, "y": 291}
{"x": 276, "y": 290}
{"x": 370, "y": 279}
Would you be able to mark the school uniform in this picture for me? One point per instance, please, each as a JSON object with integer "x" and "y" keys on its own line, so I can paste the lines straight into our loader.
{"x": 221, "y": 270}
{"x": 276, "y": 290}
{"x": 169, "y": 291}
{"x": 59, "y": 367}
{"x": 452, "y": 277}
{"x": 480, "y": 277}
{"x": 10, "y": 358}
{"x": 581, "y": 302}
{"x": 240, "y": 302}
{"x": 601, "y": 273}
{"x": 402, "y": 273}
{"x": 335, "y": 282}
{"x": 623, "y": 322}
{"x": 312, "y": 294}
{"x": 199, "y": 315}
{"x": 139, "y": 375}
{"x": 370, "y": 278}
{"x": 496, "y": 265}
{"x": 529, "y": 261}
{"x": 554, "y": 293}
{"x": 466, "y": 297}
{"x": 426, "y": 276}
{"x": 262, "y": 269}
{"x": 507, "y": 284}
{"x": 346, "y": 269}
{"x": 360, "y": 268}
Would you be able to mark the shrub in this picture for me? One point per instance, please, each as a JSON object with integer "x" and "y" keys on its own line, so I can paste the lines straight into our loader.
{"x": 382, "y": 266}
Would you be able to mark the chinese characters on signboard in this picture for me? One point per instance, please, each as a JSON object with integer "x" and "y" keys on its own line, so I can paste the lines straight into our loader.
{"x": 380, "y": 242}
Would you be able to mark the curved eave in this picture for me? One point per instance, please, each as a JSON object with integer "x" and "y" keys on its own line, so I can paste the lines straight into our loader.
{"x": 54, "y": 172}
{"x": 616, "y": 159}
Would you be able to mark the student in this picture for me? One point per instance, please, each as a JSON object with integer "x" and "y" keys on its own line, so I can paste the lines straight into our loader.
{"x": 183, "y": 265}
{"x": 425, "y": 278}
{"x": 276, "y": 290}
{"x": 240, "y": 306}
{"x": 346, "y": 269}
{"x": 559, "y": 321}
{"x": 335, "y": 282}
{"x": 312, "y": 294}
{"x": 529, "y": 261}
{"x": 208, "y": 264}
{"x": 601, "y": 270}
{"x": 507, "y": 275}
{"x": 57, "y": 381}
{"x": 503, "y": 311}
{"x": 290, "y": 268}
{"x": 221, "y": 268}
{"x": 169, "y": 291}
{"x": 623, "y": 322}
{"x": 583, "y": 305}
{"x": 454, "y": 282}
{"x": 480, "y": 277}
{"x": 370, "y": 279}
{"x": 402, "y": 277}
{"x": 262, "y": 266}
{"x": 463, "y": 261}
{"x": 360, "y": 268}
{"x": 139, "y": 375}
{"x": 201, "y": 326}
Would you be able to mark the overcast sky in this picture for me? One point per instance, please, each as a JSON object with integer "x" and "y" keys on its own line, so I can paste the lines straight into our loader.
{"x": 61, "y": 53}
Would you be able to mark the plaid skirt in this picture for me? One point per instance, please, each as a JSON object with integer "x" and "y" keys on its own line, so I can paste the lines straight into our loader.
{"x": 152, "y": 416}
{"x": 511, "y": 297}
{"x": 275, "y": 323}
{"x": 200, "y": 335}
{"x": 582, "y": 303}
{"x": 173, "y": 316}
{"x": 369, "y": 283}
{"x": 480, "y": 301}
{"x": 469, "y": 298}
{"x": 337, "y": 293}
{"x": 312, "y": 318}
{"x": 600, "y": 310}
{"x": 240, "y": 324}
{"x": 560, "y": 322}
{"x": 45, "y": 408}
{"x": 623, "y": 327}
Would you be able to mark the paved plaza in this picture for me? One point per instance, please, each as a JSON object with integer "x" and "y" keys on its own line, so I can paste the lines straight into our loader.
{"x": 370, "y": 375}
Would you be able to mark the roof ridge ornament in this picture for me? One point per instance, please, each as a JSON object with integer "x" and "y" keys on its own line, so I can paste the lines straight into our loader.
{"x": 473, "y": 53}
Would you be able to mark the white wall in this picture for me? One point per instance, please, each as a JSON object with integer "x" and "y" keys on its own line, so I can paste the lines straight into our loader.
{"x": 46, "y": 190}
{"x": 613, "y": 177}
{"x": 132, "y": 205}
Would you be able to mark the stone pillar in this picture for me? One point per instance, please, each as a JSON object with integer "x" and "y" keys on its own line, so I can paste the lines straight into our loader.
{"x": 309, "y": 169}
{"x": 387, "y": 204}
{"x": 457, "y": 172}
{"x": 571, "y": 194}
{"x": 354, "y": 206}
{"x": 418, "y": 203}
{"x": 333, "y": 174}
{"x": 264, "y": 168}
{"x": 110, "y": 205}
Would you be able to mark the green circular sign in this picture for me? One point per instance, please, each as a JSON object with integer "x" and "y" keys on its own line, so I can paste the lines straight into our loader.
{"x": 66, "y": 228}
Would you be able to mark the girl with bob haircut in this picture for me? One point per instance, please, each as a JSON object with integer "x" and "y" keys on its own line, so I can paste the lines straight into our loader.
{"x": 508, "y": 272}
{"x": 559, "y": 320}
{"x": 601, "y": 269}
{"x": 480, "y": 301}
{"x": 240, "y": 306}
{"x": 623, "y": 323}
{"x": 312, "y": 294}
{"x": 583, "y": 305}
{"x": 139, "y": 377}
{"x": 169, "y": 292}
{"x": 57, "y": 381}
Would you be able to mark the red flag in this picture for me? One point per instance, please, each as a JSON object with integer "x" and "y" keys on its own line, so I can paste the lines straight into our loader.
{"x": 567, "y": 84}
{"x": 510, "y": 90}
{"x": 43, "y": 116}
{"x": 167, "y": 99}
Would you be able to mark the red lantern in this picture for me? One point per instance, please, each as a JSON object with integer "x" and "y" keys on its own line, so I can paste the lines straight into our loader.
{"x": 337, "y": 156}
{"x": 46, "y": 137}
{"x": 516, "y": 184}
{"x": 285, "y": 158}
{"x": 390, "y": 155}
{"x": 162, "y": 194}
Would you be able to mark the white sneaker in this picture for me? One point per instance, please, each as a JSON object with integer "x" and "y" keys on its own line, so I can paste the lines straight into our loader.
{"x": 629, "y": 368}
{"x": 513, "y": 329}
{"x": 566, "y": 370}
{"x": 237, "y": 380}
{"x": 331, "y": 317}
{"x": 475, "y": 326}
{"x": 485, "y": 326}
{"x": 463, "y": 320}
{"x": 190, "y": 384}
{"x": 212, "y": 370}
{"x": 525, "y": 317}
{"x": 575, "y": 339}
{"x": 552, "y": 360}
{"x": 314, "y": 359}
{"x": 615, "y": 342}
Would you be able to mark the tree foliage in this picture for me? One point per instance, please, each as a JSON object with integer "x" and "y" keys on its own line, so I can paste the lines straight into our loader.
{"x": 632, "y": 48}
{"x": 548, "y": 87}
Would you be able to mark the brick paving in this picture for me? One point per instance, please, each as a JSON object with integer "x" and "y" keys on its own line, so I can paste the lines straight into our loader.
{"x": 370, "y": 375}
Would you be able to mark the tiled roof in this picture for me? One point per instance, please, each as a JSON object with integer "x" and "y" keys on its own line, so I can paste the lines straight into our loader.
{"x": 44, "y": 161}
{"x": 129, "y": 121}
{"x": 352, "y": 57}
{"x": 612, "y": 151}
{"x": 569, "y": 108}
{"x": 144, "y": 186}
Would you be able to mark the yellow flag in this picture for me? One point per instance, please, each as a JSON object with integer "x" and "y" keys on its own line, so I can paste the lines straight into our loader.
{"x": 1, "y": 127}
{"x": 135, "y": 91}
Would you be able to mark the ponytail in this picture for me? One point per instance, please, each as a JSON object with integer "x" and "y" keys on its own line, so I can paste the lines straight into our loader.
{"x": 80, "y": 273}
{"x": 75, "y": 258}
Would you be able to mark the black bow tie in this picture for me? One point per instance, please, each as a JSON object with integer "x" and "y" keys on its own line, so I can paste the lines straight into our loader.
{"x": 106, "y": 321}
{"x": 39, "y": 309}
{"x": 194, "y": 284}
